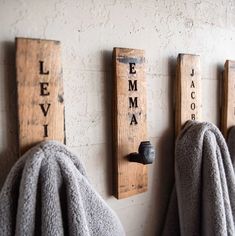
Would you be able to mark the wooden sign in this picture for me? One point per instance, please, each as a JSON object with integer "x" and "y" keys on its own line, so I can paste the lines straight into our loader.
{"x": 188, "y": 90}
{"x": 228, "y": 98}
{"x": 130, "y": 124}
{"x": 40, "y": 91}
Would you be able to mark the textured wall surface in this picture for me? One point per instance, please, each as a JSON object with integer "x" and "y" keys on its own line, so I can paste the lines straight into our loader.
{"x": 88, "y": 30}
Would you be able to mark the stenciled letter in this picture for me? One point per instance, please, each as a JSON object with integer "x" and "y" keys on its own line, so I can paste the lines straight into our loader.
{"x": 132, "y": 85}
{"x": 193, "y": 95}
{"x": 132, "y": 68}
{"x": 42, "y": 72}
{"x": 133, "y": 103}
{"x": 133, "y": 120}
{"x": 44, "y": 111}
{"x": 43, "y": 89}
{"x": 192, "y": 85}
{"x": 193, "y": 106}
{"x": 45, "y": 131}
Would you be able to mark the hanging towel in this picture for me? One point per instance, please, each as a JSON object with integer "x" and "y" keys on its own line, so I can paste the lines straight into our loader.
{"x": 203, "y": 199}
{"x": 47, "y": 193}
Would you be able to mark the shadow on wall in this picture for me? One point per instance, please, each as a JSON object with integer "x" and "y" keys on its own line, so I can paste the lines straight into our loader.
{"x": 219, "y": 77}
{"x": 108, "y": 93}
{"x": 8, "y": 109}
{"x": 168, "y": 143}
{"x": 163, "y": 172}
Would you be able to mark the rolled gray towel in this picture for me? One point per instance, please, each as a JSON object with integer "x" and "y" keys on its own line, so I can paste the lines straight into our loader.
{"x": 47, "y": 193}
{"x": 204, "y": 182}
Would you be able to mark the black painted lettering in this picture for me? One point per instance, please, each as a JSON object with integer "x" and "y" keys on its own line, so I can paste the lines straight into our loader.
{"x": 45, "y": 110}
{"x": 193, "y": 95}
{"x": 132, "y": 68}
{"x": 42, "y": 72}
{"x": 133, "y": 120}
{"x": 193, "y": 117}
{"x": 133, "y": 102}
{"x": 192, "y": 85}
{"x": 45, "y": 131}
{"x": 132, "y": 85}
{"x": 43, "y": 89}
{"x": 193, "y": 106}
{"x": 192, "y": 74}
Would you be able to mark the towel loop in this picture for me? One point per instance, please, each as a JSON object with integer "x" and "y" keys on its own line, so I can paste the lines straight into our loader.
{"x": 145, "y": 154}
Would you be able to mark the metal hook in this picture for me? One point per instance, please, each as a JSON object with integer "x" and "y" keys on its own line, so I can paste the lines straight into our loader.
{"x": 145, "y": 154}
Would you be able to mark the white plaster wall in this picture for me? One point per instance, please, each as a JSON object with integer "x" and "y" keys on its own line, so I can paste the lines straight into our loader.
{"x": 88, "y": 30}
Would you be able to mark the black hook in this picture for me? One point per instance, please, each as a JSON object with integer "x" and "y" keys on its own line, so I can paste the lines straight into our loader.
{"x": 146, "y": 154}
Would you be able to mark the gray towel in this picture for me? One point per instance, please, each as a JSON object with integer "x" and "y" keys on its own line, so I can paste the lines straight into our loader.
{"x": 203, "y": 201}
{"x": 47, "y": 193}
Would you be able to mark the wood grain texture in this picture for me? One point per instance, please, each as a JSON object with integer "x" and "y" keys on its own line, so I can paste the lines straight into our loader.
{"x": 130, "y": 178}
{"x": 40, "y": 91}
{"x": 188, "y": 90}
{"x": 228, "y": 98}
